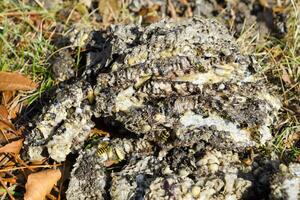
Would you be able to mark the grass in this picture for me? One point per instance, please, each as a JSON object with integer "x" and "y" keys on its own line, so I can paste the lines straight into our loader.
{"x": 283, "y": 67}
{"x": 25, "y": 46}
{"x": 25, "y": 39}
{"x": 279, "y": 61}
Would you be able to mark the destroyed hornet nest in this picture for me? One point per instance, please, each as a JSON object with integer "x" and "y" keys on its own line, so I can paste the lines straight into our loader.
{"x": 173, "y": 84}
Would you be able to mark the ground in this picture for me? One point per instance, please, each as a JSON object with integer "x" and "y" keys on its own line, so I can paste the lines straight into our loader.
{"x": 35, "y": 39}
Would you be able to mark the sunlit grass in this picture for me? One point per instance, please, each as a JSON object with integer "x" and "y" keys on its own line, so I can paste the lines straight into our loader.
{"x": 284, "y": 65}
{"x": 279, "y": 64}
{"x": 23, "y": 45}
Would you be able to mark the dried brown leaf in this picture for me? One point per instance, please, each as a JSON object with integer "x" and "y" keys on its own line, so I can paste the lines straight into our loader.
{"x": 292, "y": 139}
{"x": 40, "y": 184}
{"x": 5, "y": 125}
{"x": 149, "y": 19}
{"x": 10, "y": 180}
{"x": 6, "y": 136}
{"x": 7, "y": 96}
{"x": 14, "y": 111}
{"x": 51, "y": 197}
{"x": 150, "y": 14}
{"x": 13, "y": 147}
{"x": 3, "y": 112}
{"x": 10, "y": 81}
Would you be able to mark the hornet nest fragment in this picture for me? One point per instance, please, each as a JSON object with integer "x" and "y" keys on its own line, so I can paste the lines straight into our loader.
{"x": 183, "y": 95}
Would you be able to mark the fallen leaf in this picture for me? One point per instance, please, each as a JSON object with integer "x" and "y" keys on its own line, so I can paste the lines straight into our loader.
{"x": 6, "y": 136}
{"x": 19, "y": 131}
{"x": 10, "y": 81}
{"x": 10, "y": 180}
{"x": 150, "y": 14}
{"x": 3, "y": 112}
{"x": 292, "y": 139}
{"x": 278, "y": 9}
{"x": 13, "y": 147}
{"x": 15, "y": 106}
{"x": 41, "y": 183}
{"x": 7, "y": 96}
{"x": 5, "y": 125}
{"x": 14, "y": 110}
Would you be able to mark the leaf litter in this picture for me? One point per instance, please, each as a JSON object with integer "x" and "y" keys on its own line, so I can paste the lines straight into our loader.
{"x": 12, "y": 87}
{"x": 13, "y": 147}
{"x": 14, "y": 81}
{"x": 41, "y": 183}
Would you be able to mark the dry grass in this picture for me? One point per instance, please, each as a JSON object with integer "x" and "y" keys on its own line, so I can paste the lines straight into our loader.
{"x": 285, "y": 66}
{"x": 279, "y": 61}
{"x": 25, "y": 46}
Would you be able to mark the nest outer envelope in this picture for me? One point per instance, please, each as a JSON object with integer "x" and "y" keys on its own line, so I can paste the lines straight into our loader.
{"x": 173, "y": 84}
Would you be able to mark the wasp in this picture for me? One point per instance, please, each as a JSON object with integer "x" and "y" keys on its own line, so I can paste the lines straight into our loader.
{"x": 248, "y": 156}
{"x": 103, "y": 148}
{"x": 95, "y": 136}
{"x": 164, "y": 136}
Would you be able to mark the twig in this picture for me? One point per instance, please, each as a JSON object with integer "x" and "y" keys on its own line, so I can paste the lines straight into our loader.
{"x": 62, "y": 181}
{"x": 4, "y": 135}
{"x": 18, "y": 13}
{"x": 39, "y": 3}
{"x": 70, "y": 15}
{"x": 58, "y": 50}
{"x": 32, "y": 167}
{"x": 51, "y": 197}
{"x": 19, "y": 160}
{"x": 172, "y": 9}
